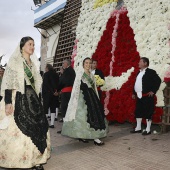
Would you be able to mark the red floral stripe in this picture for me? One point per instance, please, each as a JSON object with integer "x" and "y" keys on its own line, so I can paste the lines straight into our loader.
{"x": 121, "y": 106}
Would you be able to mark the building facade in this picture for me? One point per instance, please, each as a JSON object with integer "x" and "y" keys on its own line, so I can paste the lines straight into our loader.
{"x": 47, "y": 19}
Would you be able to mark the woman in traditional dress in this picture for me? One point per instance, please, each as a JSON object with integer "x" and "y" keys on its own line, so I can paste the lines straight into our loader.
{"x": 85, "y": 115}
{"x": 24, "y": 136}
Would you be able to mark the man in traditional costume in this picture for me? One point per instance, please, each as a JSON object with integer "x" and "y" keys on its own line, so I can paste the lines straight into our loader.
{"x": 65, "y": 85}
{"x": 146, "y": 85}
{"x": 50, "y": 94}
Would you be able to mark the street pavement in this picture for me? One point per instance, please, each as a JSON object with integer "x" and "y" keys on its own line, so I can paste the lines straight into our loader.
{"x": 122, "y": 151}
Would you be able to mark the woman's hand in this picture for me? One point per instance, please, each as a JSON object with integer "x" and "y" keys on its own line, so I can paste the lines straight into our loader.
{"x": 8, "y": 109}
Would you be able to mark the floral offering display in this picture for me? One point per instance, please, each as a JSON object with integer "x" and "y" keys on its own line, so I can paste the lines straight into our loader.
{"x": 120, "y": 66}
{"x": 117, "y": 39}
{"x": 74, "y": 53}
{"x": 150, "y": 22}
{"x": 167, "y": 75}
{"x": 91, "y": 24}
{"x": 100, "y": 3}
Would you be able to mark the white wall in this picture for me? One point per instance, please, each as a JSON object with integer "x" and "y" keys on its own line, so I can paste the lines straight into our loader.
{"x": 52, "y": 43}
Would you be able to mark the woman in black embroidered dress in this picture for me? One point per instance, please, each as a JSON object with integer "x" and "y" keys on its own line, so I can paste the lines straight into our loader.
{"x": 24, "y": 136}
{"x": 85, "y": 120}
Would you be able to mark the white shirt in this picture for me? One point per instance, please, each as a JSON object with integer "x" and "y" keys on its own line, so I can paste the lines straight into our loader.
{"x": 138, "y": 83}
{"x": 93, "y": 72}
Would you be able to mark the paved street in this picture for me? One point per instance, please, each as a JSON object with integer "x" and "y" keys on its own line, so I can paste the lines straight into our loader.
{"x": 122, "y": 151}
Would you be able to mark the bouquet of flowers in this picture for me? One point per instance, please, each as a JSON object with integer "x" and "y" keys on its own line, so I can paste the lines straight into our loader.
{"x": 99, "y": 80}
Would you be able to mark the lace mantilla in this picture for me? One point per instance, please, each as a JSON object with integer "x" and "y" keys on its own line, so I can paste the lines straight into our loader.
{"x": 13, "y": 78}
{"x": 73, "y": 103}
{"x": 14, "y": 73}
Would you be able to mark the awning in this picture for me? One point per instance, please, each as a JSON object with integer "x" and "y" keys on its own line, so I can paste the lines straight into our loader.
{"x": 49, "y": 14}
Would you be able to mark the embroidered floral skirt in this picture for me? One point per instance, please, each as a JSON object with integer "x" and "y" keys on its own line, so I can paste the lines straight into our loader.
{"x": 26, "y": 141}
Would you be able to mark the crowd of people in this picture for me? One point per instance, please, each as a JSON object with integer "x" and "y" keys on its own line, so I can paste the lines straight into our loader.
{"x": 24, "y": 129}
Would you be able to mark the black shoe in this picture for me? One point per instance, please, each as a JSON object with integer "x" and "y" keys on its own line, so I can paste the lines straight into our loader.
{"x": 99, "y": 144}
{"x": 146, "y": 133}
{"x": 136, "y": 131}
{"x": 56, "y": 119}
{"x": 59, "y": 132}
{"x": 40, "y": 167}
{"x": 52, "y": 126}
{"x": 83, "y": 140}
{"x": 61, "y": 120}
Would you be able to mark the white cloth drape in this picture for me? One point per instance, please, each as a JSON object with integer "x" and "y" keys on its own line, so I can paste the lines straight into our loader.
{"x": 138, "y": 83}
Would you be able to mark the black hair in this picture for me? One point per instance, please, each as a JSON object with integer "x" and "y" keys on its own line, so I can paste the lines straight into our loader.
{"x": 94, "y": 60}
{"x": 49, "y": 67}
{"x": 87, "y": 58}
{"x": 145, "y": 60}
{"x": 2, "y": 68}
{"x": 24, "y": 40}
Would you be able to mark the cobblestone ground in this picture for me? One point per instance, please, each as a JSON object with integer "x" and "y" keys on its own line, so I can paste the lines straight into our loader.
{"x": 122, "y": 151}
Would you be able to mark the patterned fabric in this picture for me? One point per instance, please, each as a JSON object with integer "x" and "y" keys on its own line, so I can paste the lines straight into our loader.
{"x": 73, "y": 103}
{"x": 90, "y": 80}
{"x": 24, "y": 136}
{"x": 79, "y": 127}
{"x": 28, "y": 73}
{"x": 19, "y": 147}
{"x": 18, "y": 151}
{"x": 30, "y": 118}
{"x": 95, "y": 110}
{"x": 14, "y": 73}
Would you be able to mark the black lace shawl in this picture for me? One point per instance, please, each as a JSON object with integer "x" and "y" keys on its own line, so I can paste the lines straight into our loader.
{"x": 95, "y": 116}
{"x": 29, "y": 116}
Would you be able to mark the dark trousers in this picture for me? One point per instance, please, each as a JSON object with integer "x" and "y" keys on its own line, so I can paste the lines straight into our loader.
{"x": 145, "y": 107}
{"x": 50, "y": 101}
{"x": 65, "y": 98}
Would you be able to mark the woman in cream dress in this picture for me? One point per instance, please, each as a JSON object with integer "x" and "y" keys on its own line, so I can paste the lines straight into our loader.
{"x": 24, "y": 136}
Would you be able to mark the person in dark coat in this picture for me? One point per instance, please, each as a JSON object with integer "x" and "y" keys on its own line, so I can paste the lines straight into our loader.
{"x": 96, "y": 71}
{"x": 49, "y": 92}
{"x": 146, "y": 85}
{"x": 65, "y": 86}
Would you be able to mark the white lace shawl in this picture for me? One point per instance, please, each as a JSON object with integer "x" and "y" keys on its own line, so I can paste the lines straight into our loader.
{"x": 14, "y": 77}
{"x": 73, "y": 103}
{"x": 14, "y": 73}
